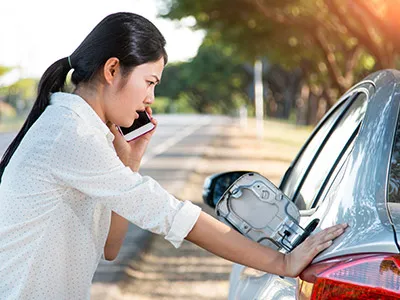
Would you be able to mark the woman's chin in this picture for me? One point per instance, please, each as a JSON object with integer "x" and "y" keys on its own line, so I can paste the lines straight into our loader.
{"x": 126, "y": 124}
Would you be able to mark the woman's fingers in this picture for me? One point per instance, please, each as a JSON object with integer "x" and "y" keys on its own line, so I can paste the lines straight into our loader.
{"x": 301, "y": 256}
{"x": 324, "y": 238}
{"x": 330, "y": 233}
{"x": 323, "y": 246}
{"x": 113, "y": 129}
{"x": 154, "y": 121}
{"x": 118, "y": 137}
{"x": 150, "y": 113}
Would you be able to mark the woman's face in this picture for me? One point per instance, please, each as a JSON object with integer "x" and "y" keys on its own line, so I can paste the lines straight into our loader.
{"x": 133, "y": 93}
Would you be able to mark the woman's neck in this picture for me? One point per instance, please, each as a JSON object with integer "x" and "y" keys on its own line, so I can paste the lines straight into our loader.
{"x": 93, "y": 96}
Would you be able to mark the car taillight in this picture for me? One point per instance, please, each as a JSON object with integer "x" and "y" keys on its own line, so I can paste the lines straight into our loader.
{"x": 361, "y": 277}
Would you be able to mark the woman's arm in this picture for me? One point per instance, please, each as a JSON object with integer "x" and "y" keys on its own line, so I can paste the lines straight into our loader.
{"x": 224, "y": 241}
{"x": 130, "y": 154}
{"x": 116, "y": 236}
{"x": 215, "y": 236}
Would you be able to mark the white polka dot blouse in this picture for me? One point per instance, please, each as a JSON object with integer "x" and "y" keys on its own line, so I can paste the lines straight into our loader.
{"x": 56, "y": 198}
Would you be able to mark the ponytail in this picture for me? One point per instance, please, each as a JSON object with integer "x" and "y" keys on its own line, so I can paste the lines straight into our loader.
{"x": 53, "y": 80}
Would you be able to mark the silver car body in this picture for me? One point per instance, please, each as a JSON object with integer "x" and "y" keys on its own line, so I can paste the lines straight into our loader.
{"x": 355, "y": 192}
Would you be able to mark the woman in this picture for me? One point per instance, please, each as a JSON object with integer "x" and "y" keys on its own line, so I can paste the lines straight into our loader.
{"x": 69, "y": 180}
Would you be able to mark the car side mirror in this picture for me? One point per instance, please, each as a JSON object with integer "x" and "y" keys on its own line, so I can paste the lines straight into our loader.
{"x": 215, "y": 185}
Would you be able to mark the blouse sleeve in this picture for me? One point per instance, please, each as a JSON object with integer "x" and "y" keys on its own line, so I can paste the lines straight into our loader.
{"x": 86, "y": 161}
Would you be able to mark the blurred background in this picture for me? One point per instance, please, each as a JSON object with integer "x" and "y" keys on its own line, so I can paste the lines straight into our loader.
{"x": 275, "y": 64}
{"x": 295, "y": 56}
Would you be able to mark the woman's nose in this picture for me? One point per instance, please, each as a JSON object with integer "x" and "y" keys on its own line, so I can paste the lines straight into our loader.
{"x": 149, "y": 99}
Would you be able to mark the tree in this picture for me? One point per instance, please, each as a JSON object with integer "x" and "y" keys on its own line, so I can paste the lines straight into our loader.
{"x": 20, "y": 94}
{"x": 212, "y": 82}
{"x": 334, "y": 42}
{"x": 373, "y": 23}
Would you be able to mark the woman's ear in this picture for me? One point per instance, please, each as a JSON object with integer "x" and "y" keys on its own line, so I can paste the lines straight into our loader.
{"x": 111, "y": 69}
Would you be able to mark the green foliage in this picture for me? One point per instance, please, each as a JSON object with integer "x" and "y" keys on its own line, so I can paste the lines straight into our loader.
{"x": 161, "y": 105}
{"x": 21, "y": 94}
{"x": 26, "y": 88}
{"x": 4, "y": 70}
{"x": 212, "y": 82}
{"x": 243, "y": 27}
{"x": 182, "y": 105}
{"x": 335, "y": 42}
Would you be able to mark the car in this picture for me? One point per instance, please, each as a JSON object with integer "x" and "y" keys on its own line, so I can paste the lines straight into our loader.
{"x": 348, "y": 171}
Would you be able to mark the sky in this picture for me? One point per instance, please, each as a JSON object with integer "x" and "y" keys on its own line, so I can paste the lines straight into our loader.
{"x": 34, "y": 34}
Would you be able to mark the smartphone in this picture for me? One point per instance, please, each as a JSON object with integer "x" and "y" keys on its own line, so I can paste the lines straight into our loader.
{"x": 139, "y": 127}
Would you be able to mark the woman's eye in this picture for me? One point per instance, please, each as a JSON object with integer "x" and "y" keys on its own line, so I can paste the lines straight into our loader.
{"x": 151, "y": 82}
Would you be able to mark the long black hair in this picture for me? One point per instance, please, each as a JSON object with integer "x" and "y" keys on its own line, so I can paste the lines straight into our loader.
{"x": 131, "y": 38}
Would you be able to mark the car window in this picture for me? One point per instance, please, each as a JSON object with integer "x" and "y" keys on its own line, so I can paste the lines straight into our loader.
{"x": 291, "y": 183}
{"x": 336, "y": 176}
{"x": 394, "y": 175}
{"x": 333, "y": 149}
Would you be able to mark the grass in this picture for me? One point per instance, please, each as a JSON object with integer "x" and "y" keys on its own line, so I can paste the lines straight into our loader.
{"x": 279, "y": 139}
{"x": 281, "y": 132}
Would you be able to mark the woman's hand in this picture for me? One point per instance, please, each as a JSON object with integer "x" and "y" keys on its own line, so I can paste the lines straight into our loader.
{"x": 303, "y": 254}
{"x": 131, "y": 153}
{"x": 226, "y": 242}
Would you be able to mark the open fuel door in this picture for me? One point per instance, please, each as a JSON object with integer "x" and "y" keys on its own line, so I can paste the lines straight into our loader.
{"x": 260, "y": 211}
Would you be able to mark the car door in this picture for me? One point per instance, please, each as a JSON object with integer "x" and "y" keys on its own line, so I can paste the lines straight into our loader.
{"x": 323, "y": 169}
{"x": 311, "y": 172}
